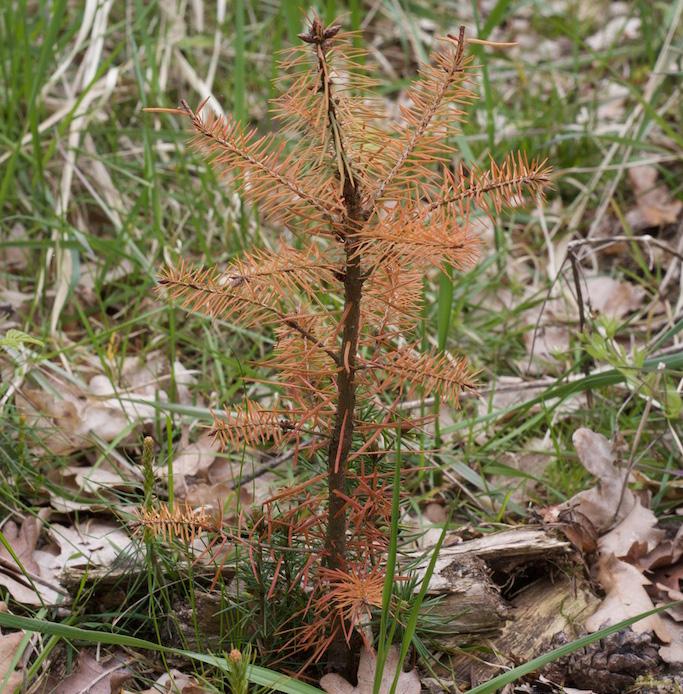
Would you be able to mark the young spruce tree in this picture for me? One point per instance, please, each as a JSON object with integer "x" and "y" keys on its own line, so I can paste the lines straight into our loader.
{"x": 373, "y": 205}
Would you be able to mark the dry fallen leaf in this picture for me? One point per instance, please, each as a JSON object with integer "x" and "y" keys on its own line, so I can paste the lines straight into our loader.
{"x": 15, "y": 257}
{"x": 194, "y": 459}
{"x": 634, "y": 537}
{"x": 23, "y": 541}
{"x": 93, "y": 677}
{"x": 146, "y": 376}
{"x": 666, "y": 554}
{"x": 38, "y": 563}
{"x": 73, "y": 417}
{"x": 220, "y": 497}
{"x": 548, "y": 342}
{"x": 673, "y": 652}
{"x": 68, "y": 419}
{"x": 613, "y": 298}
{"x": 670, "y": 577}
{"x": 9, "y": 643}
{"x": 598, "y": 504}
{"x": 425, "y": 531}
{"x": 97, "y": 479}
{"x": 175, "y": 682}
{"x": 626, "y": 597}
{"x": 408, "y": 682}
{"x": 90, "y": 543}
{"x": 654, "y": 204}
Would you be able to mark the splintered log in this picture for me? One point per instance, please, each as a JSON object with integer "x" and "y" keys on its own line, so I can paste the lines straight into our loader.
{"x": 471, "y": 604}
{"x": 543, "y": 616}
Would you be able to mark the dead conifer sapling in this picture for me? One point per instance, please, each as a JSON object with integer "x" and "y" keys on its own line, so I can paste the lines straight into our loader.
{"x": 374, "y": 204}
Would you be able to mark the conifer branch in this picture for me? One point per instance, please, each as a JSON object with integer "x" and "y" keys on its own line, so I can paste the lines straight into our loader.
{"x": 319, "y": 36}
{"x": 393, "y": 298}
{"x": 251, "y": 425}
{"x": 359, "y": 117}
{"x": 303, "y": 366}
{"x": 182, "y": 522}
{"x": 428, "y": 97}
{"x": 408, "y": 241}
{"x": 438, "y": 374}
{"x": 277, "y": 184}
{"x": 515, "y": 177}
{"x": 205, "y": 291}
{"x": 284, "y": 273}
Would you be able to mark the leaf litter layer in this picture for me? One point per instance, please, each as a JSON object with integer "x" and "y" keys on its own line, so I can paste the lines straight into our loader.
{"x": 626, "y": 254}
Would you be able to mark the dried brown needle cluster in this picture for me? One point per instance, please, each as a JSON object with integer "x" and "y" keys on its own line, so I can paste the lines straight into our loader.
{"x": 376, "y": 205}
{"x": 181, "y": 522}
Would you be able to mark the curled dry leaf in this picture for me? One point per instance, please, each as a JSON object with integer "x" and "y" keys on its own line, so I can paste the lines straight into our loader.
{"x": 91, "y": 543}
{"x": 654, "y": 204}
{"x": 194, "y": 459}
{"x": 626, "y": 597}
{"x": 673, "y": 652}
{"x": 665, "y": 555}
{"x": 664, "y": 594}
{"x": 602, "y": 504}
{"x": 408, "y": 682}
{"x": 39, "y": 564}
{"x": 634, "y": 537}
{"x": 670, "y": 577}
{"x": 175, "y": 682}
{"x": 202, "y": 478}
{"x": 9, "y": 644}
{"x": 148, "y": 376}
{"x": 630, "y": 547}
{"x": 93, "y": 676}
{"x": 81, "y": 488}
{"x": 613, "y": 298}
{"x": 66, "y": 420}
{"x": 72, "y": 418}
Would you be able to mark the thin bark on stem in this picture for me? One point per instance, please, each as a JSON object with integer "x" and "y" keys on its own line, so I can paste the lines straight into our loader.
{"x": 342, "y": 434}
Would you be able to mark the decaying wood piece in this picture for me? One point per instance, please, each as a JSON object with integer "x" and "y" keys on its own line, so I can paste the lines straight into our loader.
{"x": 471, "y": 604}
{"x": 544, "y": 615}
{"x": 499, "y": 550}
{"x": 462, "y": 576}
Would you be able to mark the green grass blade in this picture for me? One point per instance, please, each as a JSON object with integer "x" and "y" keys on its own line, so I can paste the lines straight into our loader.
{"x": 239, "y": 66}
{"x": 609, "y": 377}
{"x": 669, "y": 334}
{"x": 257, "y": 675}
{"x": 293, "y": 15}
{"x": 411, "y": 624}
{"x": 495, "y": 17}
{"x": 382, "y": 644}
{"x": 444, "y": 312}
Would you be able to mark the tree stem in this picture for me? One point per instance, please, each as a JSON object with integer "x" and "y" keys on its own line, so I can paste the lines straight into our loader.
{"x": 342, "y": 434}
{"x": 339, "y": 653}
